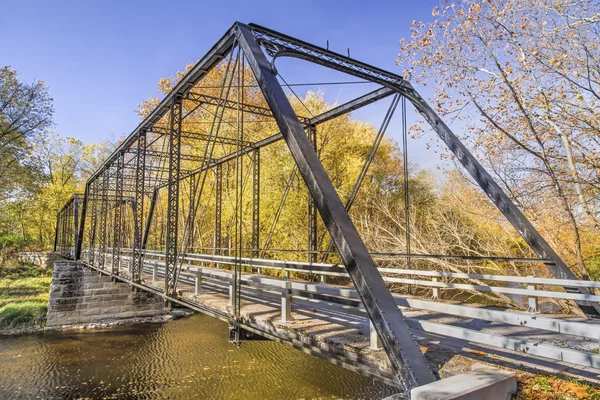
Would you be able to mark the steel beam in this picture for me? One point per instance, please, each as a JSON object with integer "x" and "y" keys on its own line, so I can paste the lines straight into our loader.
{"x": 233, "y": 105}
{"x": 153, "y": 201}
{"x": 118, "y": 221}
{"x": 56, "y": 231}
{"x": 94, "y": 217}
{"x": 199, "y": 136}
{"x": 312, "y": 208}
{"x": 218, "y": 208}
{"x": 138, "y": 214}
{"x": 173, "y": 198}
{"x": 210, "y": 60}
{"x": 408, "y": 362}
{"x": 319, "y": 119}
{"x": 255, "y": 202}
{"x": 511, "y": 212}
{"x": 280, "y": 45}
{"x": 103, "y": 220}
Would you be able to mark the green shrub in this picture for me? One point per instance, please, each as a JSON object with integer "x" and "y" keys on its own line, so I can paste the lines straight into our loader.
{"x": 22, "y": 313}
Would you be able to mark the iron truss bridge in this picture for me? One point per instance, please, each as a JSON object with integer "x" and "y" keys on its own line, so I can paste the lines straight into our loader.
{"x": 179, "y": 209}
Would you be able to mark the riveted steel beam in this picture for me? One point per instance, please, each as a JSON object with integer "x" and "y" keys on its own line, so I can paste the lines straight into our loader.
{"x": 118, "y": 221}
{"x": 138, "y": 215}
{"x": 173, "y": 198}
{"x": 408, "y": 362}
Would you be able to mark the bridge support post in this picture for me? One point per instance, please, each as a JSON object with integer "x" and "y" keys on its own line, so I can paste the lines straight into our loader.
{"x": 154, "y": 272}
{"x": 218, "y": 208}
{"x": 198, "y": 283}
{"x": 286, "y": 303}
{"x": 231, "y": 292}
{"x": 173, "y": 198}
{"x": 138, "y": 212}
{"x": 374, "y": 342}
{"x": 118, "y": 221}
{"x": 256, "y": 204}
{"x": 533, "y": 306}
{"x": 435, "y": 292}
{"x": 103, "y": 219}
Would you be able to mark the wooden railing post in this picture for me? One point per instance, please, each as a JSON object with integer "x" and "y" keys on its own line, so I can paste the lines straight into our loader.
{"x": 231, "y": 292}
{"x": 198, "y": 283}
{"x": 533, "y": 300}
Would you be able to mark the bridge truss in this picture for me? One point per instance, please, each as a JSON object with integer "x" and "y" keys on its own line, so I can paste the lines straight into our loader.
{"x": 204, "y": 141}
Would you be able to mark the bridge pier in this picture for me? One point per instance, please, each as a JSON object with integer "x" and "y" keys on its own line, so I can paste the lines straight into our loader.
{"x": 80, "y": 296}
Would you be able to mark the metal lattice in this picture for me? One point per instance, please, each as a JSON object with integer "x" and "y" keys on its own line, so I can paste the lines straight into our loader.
{"x": 138, "y": 215}
{"x": 173, "y": 198}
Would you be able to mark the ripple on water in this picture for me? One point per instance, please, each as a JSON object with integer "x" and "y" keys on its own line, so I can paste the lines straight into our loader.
{"x": 182, "y": 359}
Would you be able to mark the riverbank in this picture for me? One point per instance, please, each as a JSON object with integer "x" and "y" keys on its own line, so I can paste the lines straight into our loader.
{"x": 24, "y": 290}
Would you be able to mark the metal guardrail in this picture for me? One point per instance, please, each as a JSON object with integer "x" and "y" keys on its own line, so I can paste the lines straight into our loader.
{"x": 338, "y": 271}
{"x": 293, "y": 292}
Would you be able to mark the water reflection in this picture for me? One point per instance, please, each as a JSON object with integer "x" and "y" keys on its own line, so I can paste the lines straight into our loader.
{"x": 183, "y": 359}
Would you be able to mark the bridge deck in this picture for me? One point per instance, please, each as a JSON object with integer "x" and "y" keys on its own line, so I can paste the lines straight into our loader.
{"x": 341, "y": 336}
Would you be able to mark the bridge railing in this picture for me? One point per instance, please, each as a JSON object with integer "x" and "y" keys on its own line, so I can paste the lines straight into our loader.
{"x": 532, "y": 290}
{"x": 340, "y": 299}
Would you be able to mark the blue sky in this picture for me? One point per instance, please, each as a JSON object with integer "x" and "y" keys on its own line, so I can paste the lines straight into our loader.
{"x": 101, "y": 59}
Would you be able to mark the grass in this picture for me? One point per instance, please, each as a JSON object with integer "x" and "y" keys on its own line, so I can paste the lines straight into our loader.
{"x": 24, "y": 290}
{"x": 547, "y": 387}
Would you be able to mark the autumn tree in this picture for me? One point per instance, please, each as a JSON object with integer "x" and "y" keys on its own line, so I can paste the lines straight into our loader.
{"x": 25, "y": 111}
{"x": 342, "y": 143}
{"x": 524, "y": 79}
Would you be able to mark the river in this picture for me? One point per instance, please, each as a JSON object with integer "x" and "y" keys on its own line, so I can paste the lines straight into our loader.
{"x": 181, "y": 359}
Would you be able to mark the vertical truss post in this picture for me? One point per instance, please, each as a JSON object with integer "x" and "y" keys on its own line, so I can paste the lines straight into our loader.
{"x": 218, "y": 207}
{"x": 173, "y": 198}
{"x": 92, "y": 197}
{"x": 255, "y": 202}
{"x": 56, "y": 231}
{"x": 138, "y": 212}
{"x": 405, "y": 174}
{"x": 59, "y": 242}
{"x": 103, "y": 211}
{"x": 80, "y": 229}
{"x": 191, "y": 214}
{"x": 117, "y": 234}
{"x": 149, "y": 222}
{"x": 65, "y": 237}
{"x": 67, "y": 229}
{"x": 407, "y": 360}
{"x": 63, "y": 220}
{"x": 312, "y": 210}
{"x": 75, "y": 232}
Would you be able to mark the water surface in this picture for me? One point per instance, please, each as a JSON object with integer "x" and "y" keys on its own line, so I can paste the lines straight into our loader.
{"x": 181, "y": 359}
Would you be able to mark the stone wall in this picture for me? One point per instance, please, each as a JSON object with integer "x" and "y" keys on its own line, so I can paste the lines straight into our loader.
{"x": 42, "y": 259}
{"x": 81, "y": 296}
